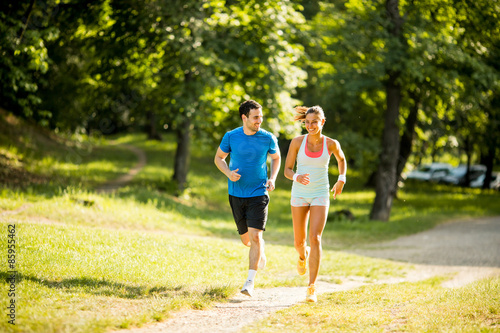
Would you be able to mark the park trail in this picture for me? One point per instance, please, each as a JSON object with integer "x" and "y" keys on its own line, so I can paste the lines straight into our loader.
{"x": 465, "y": 250}
{"x": 106, "y": 187}
{"x": 114, "y": 184}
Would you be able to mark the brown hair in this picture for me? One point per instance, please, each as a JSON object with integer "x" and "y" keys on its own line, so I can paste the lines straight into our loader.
{"x": 303, "y": 111}
{"x": 246, "y": 106}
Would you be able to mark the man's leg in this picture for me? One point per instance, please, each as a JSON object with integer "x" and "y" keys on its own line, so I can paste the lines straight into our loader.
{"x": 256, "y": 246}
{"x": 256, "y": 241}
{"x": 256, "y": 216}
{"x": 245, "y": 239}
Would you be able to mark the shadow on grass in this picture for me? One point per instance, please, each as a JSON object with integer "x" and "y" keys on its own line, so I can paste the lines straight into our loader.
{"x": 98, "y": 287}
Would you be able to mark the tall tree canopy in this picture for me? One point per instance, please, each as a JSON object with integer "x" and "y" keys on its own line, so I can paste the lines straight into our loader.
{"x": 399, "y": 80}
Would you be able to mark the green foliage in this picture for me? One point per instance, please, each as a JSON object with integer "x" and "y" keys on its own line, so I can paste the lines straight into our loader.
{"x": 24, "y": 57}
{"x": 107, "y": 66}
{"x": 447, "y": 70}
{"x": 229, "y": 54}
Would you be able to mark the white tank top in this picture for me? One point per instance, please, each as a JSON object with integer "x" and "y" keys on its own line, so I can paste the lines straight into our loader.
{"x": 317, "y": 168}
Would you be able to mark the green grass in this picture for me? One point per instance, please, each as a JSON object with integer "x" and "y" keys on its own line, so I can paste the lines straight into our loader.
{"x": 87, "y": 278}
{"x": 78, "y": 277}
{"x": 403, "y": 307}
{"x": 88, "y": 262}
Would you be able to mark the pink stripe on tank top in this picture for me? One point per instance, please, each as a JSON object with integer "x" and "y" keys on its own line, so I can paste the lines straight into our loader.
{"x": 313, "y": 154}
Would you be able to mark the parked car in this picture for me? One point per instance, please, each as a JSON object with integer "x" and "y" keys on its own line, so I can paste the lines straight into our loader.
{"x": 432, "y": 172}
{"x": 457, "y": 175}
{"x": 494, "y": 184}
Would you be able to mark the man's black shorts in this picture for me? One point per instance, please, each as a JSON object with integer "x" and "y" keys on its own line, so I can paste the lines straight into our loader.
{"x": 249, "y": 212}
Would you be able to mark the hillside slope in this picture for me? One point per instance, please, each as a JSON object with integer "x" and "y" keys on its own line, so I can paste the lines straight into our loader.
{"x": 19, "y": 142}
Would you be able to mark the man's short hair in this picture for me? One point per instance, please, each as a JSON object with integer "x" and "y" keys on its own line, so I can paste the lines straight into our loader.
{"x": 246, "y": 106}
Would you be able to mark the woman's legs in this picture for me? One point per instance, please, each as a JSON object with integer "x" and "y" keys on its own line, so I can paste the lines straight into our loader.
{"x": 299, "y": 218}
{"x": 317, "y": 222}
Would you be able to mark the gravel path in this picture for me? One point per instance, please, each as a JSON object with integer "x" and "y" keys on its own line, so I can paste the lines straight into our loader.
{"x": 468, "y": 249}
{"x": 472, "y": 242}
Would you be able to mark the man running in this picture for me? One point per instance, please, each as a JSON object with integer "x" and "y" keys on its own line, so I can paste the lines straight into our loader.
{"x": 248, "y": 184}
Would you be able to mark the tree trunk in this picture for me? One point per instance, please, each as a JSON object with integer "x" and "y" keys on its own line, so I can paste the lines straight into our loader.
{"x": 492, "y": 140}
{"x": 183, "y": 134}
{"x": 386, "y": 174}
{"x": 407, "y": 140}
{"x": 489, "y": 161}
{"x": 151, "y": 129}
{"x": 468, "y": 153}
{"x": 181, "y": 163}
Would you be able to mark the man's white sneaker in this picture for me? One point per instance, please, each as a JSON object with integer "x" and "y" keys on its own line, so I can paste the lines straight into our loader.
{"x": 247, "y": 288}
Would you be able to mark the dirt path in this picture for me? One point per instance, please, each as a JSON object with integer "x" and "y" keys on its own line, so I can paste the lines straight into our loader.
{"x": 107, "y": 187}
{"x": 114, "y": 184}
{"x": 471, "y": 242}
{"x": 468, "y": 249}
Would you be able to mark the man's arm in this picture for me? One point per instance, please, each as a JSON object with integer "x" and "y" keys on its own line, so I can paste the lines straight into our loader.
{"x": 220, "y": 162}
{"x": 275, "y": 168}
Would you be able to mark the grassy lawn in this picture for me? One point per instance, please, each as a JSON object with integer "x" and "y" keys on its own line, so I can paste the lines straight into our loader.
{"x": 87, "y": 262}
{"x": 404, "y": 307}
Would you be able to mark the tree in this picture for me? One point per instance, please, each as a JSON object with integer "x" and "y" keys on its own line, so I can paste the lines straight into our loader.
{"x": 23, "y": 55}
{"x": 480, "y": 41}
{"x": 407, "y": 60}
{"x": 386, "y": 174}
{"x": 233, "y": 52}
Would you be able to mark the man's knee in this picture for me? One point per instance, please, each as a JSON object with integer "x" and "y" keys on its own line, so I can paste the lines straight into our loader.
{"x": 255, "y": 236}
{"x": 245, "y": 239}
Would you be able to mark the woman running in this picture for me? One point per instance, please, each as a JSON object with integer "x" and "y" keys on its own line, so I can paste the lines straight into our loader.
{"x": 310, "y": 190}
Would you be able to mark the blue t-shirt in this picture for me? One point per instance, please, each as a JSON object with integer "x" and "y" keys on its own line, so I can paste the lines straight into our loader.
{"x": 248, "y": 153}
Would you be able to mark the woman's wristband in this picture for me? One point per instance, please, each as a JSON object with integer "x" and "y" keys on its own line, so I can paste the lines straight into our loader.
{"x": 295, "y": 175}
{"x": 341, "y": 178}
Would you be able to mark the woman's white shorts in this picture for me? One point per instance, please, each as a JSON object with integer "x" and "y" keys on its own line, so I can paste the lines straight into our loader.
{"x": 317, "y": 201}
